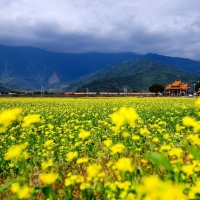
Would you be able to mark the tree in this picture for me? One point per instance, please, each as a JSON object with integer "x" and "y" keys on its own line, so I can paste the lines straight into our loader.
{"x": 197, "y": 86}
{"x": 156, "y": 88}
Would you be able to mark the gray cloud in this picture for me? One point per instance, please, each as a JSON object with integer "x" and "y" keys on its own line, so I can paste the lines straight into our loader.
{"x": 164, "y": 27}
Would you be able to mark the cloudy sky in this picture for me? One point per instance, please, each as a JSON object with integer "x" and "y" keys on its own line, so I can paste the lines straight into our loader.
{"x": 167, "y": 27}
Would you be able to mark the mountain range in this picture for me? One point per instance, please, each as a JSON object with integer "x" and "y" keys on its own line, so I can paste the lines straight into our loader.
{"x": 136, "y": 75}
{"x": 28, "y": 68}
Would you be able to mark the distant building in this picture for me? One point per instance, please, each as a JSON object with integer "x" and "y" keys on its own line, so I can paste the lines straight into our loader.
{"x": 198, "y": 92}
{"x": 177, "y": 88}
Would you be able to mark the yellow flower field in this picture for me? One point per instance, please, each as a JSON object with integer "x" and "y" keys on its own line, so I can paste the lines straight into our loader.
{"x": 100, "y": 148}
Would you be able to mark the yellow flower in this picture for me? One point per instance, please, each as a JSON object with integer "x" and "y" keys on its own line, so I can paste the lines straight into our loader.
{"x": 74, "y": 179}
{"x": 47, "y": 164}
{"x": 68, "y": 182}
{"x": 118, "y": 148}
{"x": 125, "y": 134}
{"x": 49, "y": 178}
{"x": 123, "y": 195}
{"x": 143, "y": 161}
{"x": 153, "y": 188}
{"x": 83, "y": 186}
{"x": 84, "y": 134}
{"x": 93, "y": 170}
{"x": 177, "y": 152}
{"x": 165, "y": 148}
{"x": 15, "y": 187}
{"x": 11, "y": 165}
{"x": 124, "y": 165}
{"x": 71, "y": 180}
{"x": 123, "y": 185}
{"x": 22, "y": 192}
{"x": 8, "y": 116}
{"x": 155, "y": 140}
{"x": 178, "y": 128}
{"x": 107, "y": 142}
{"x": 124, "y": 116}
{"x": 25, "y": 155}
{"x": 71, "y": 156}
{"x": 144, "y": 131}
{"x": 197, "y": 103}
{"x": 79, "y": 179}
{"x": 30, "y": 119}
{"x": 135, "y": 137}
{"x": 25, "y": 192}
{"x": 166, "y": 136}
{"x": 194, "y": 190}
{"x": 49, "y": 143}
{"x": 15, "y": 152}
{"x": 187, "y": 169}
{"x": 189, "y": 121}
{"x": 193, "y": 139}
{"x": 82, "y": 160}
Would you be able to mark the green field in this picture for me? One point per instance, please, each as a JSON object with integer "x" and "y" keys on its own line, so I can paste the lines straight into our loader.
{"x": 100, "y": 148}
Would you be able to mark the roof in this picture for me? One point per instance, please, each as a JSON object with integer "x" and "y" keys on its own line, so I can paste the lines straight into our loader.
{"x": 177, "y": 85}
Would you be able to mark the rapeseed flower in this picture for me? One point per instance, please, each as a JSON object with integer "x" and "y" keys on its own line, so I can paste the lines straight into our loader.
{"x": 153, "y": 188}
{"x": 15, "y": 152}
{"x": 194, "y": 190}
{"x": 125, "y": 134}
{"x": 49, "y": 143}
{"x": 197, "y": 103}
{"x": 177, "y": 152}
{"x": 10, "y": 115}
{"x": 49, "y": 178}
{"x": 124, "y": 165}
{"x": 21, "y": 191}
{"x": 144, "y": 131}
{"x": 118, "y": 148}
{"x": 47, "y": 164}
{"x": 30, "y": 119}
{"x": 84, "y": 134}
{"x": 124, "y": 116}
{"x": 82, "y": 160}
{"x": 71, "y": 156}
{"x": 165, "y": 147}
{"x": 155, "y": 140}
{"x": 189, "y": 121}
{"x": 179, "y": 128}
{"x": 107, "y": 143}
{"x": 193, "y": 139}
{"x": 188, "y": 169}
{"x": 71, "y": 180}
{"x": 15, "y": 187}
{"x": 84, "y": 185}
{"x": 25, "y": 192}
{"x": 93, "y": 170}
{"x": 135, "y": 137}
{"x": 123, "y": 185}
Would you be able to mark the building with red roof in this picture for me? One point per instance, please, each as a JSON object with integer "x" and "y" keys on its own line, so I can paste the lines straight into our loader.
{"x": 177, "y": 88}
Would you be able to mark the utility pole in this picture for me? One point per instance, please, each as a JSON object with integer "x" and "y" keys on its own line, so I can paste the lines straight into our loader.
{"x": 125, "y": 90}
{"x": 41, "y": 91}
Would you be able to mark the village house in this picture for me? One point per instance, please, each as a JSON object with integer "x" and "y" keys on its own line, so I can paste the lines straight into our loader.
{"x": 177, "y": 88}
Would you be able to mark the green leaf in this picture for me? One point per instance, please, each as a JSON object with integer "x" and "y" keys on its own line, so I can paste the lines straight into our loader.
{"x": 8, "y": 184}
{"x": 159, "y": 159}
{"x": 48, "y": 192}
{"x": 194, "y": 152}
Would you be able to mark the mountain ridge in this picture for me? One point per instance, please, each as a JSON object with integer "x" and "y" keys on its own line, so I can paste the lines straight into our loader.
{"x": 138, "y": 78}
{"x": 32, "y": 68}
